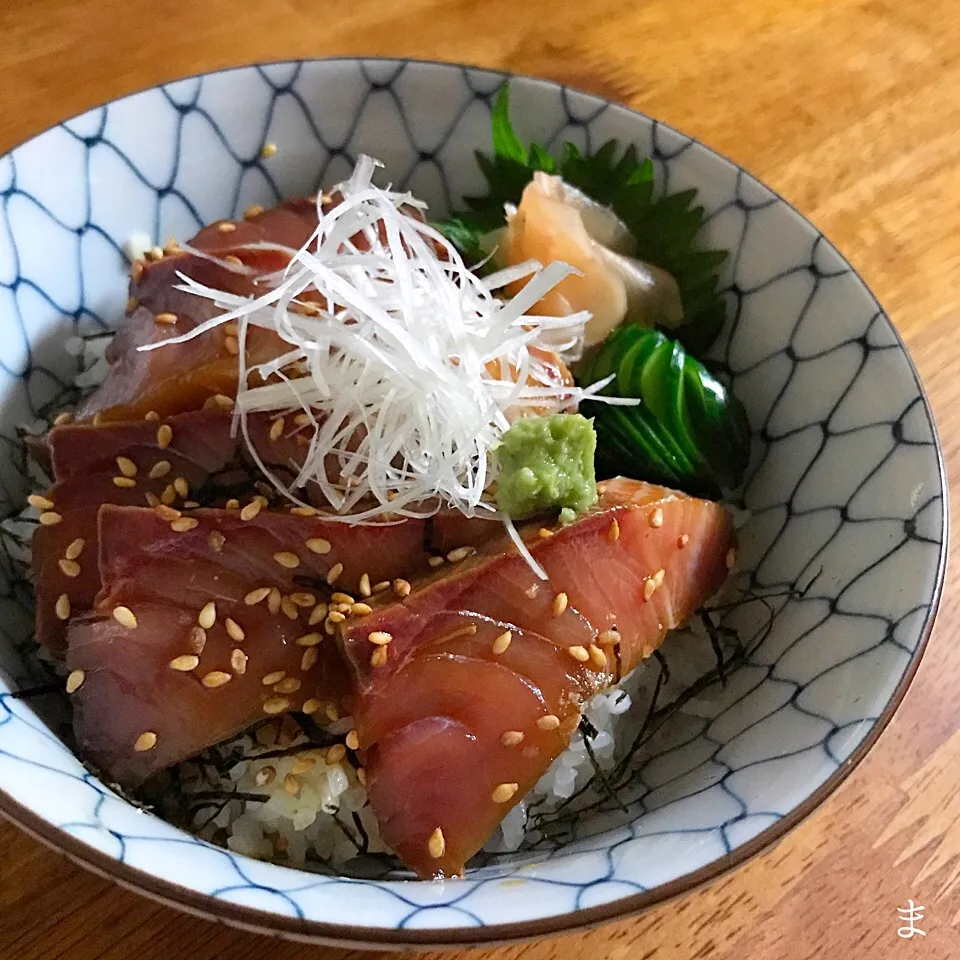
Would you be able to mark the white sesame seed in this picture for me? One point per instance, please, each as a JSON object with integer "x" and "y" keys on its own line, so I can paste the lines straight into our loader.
{"x": 288, "y": 684}
{"x": 504, "y": 791}
{"x": 75, "y": 548}
{"x": 198, "y": 639}
{"x": 184, "y": 524}
{"x": 731, "y": 558}
{"x": 549, "y": 722}
{"x": 234, "y": 630}
{"x": 511, "y": 738}
{"x": 379, "y": 657}
{"x": 318, "y": 613}
{"x": 181, "y": 486}
{"x": 311, "y": 706}
{"x": 461, "y": 553}
{"x": 559, "y": 604}
{"x": 598, "y": 656}
{"x": 125, "y": 617}
{"x": 41, "y": 503}
{"x": 127, "y": 483}
{"x": 62, "y": 419}
{"x": 364, "y": 585}
{"x": 436, "y": 845}
{"x": 309, "y": 659}
{"x": 385, "y": 585}
{"x": 286, "y": 559}
{"x": 435, "y": 561}
{"x": 238, "y": 661}
{"x": 379, "y": 637}
{"x": 276, "y": 705}
{"x": 274, "y": 601}
{"x": 613, "y": 531}
{"x": 254, "y": 210}
{"x": 579, "y": 653}
{"x": 215, "y": 678}
{"x": 208, "y": 615}
{"x": 683, "y": 540}
{"x": 273, "y": 677}
{"x": 146, "y": 741}
{"x": 401, "y": 588}
{"x": 656, "y": 518}
{"x": 164, "y": 436}
{"x": 185, "y": 662}
{"x": 336, "y": 753}
{"x": 291, "y": 783}
{"x": 353, "y": 740}
{"x": 50, "y": 518}
{"x": 361, "y": 609}
{"x": 69, "y": 568}
{"x": 166, "y": 319}
{"x": 62, "y": 607}
{"x": 75, "y": 681}
{"x": 334, "y": 572}
{"x": 276, "y": 429}
{"x": 152, "y": 499}
{"x": 255, "y": 596}
{"x": 609, "y": 638}
{"x": 160, "y": 469}
{"x": 165, "y": 512}
{"x": 502, "y": 642}
{"x": 268, "y": 150}
{"x": 250, "y": 511}
{"x": 318, "y": 545}
{"x": 126, "y": 466}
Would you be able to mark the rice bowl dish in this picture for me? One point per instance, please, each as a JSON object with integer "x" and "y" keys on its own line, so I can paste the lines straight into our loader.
{"x": 288, "y": 787}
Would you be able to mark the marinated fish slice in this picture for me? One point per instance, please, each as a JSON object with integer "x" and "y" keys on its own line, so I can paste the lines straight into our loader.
{"x": 201, "y": 438}
{"x": 87, "y": 461}
{"x": 251, "y": 585}
{"x": 157, "y": 688}
{"x": 181, "y": 377}
{"x": 620, "y": 577}
{"x": 230, "y": 553}
{"x": 465, "y": 717}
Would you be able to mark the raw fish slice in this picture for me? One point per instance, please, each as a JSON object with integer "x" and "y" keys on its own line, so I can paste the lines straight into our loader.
{"x": 635, "y": 567}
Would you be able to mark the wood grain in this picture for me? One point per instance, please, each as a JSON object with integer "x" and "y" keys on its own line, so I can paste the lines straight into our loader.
{"x": 850, "y": 109}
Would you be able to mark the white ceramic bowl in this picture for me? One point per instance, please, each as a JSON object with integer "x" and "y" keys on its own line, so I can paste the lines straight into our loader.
{"x": 847, "y": 492}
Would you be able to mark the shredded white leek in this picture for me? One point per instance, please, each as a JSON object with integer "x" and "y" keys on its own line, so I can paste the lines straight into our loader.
{"x": 413, "y": 370}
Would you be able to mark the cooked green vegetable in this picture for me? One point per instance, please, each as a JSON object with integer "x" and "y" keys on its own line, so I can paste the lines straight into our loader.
{"x": 689, "y": 431}
{"x": 665, "y": 227}
{"x": 545, "y": 463}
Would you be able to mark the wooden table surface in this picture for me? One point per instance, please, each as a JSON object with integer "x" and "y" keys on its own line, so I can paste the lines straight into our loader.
{"x": 851, "y": 110}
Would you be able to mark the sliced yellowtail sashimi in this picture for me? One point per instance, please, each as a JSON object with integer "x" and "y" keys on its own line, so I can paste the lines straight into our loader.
{"x": 469, "y": 688}
{"x": 555, "y": 221}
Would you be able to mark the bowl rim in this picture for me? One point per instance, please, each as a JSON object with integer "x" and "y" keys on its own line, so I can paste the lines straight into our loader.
{"x": 320, "y": 932}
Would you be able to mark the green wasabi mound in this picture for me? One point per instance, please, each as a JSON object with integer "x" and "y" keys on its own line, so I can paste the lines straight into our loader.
{"x": 547, "y": 463}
